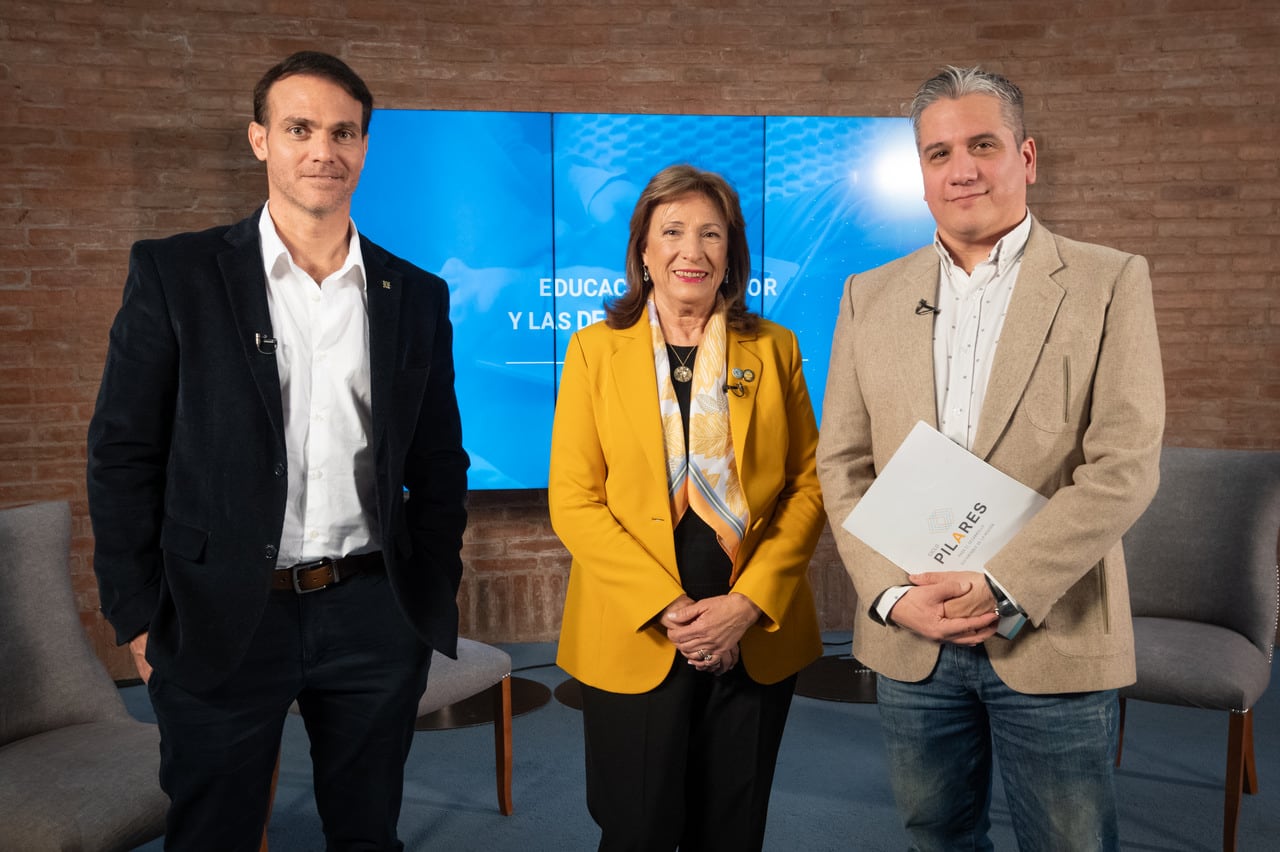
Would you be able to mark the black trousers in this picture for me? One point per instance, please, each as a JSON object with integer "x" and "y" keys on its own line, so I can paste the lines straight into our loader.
{"x": 687, "y": 765}
{"x": 357, "y": 670}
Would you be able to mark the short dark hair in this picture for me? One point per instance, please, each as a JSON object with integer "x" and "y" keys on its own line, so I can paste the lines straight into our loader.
{"x": 667, "y": 185}
{"x": 954, "y": 83}
{"x": 315, "y": 64}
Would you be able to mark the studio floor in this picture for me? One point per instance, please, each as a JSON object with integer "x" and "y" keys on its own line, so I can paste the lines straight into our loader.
{"x": 830, "y": 792}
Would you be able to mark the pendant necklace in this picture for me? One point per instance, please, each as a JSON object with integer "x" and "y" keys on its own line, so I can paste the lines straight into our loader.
{"x": 682, "y": 373}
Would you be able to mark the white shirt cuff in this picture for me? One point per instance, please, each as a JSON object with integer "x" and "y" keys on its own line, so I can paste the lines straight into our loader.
{"x": 886, "y": 601}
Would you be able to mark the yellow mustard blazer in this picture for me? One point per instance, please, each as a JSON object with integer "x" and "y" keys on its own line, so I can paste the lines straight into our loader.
{"x": 609, "y": 505}
{"x": 1074, "y": 409}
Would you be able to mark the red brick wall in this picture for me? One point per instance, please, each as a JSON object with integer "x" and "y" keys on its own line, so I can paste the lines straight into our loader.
{"x": 1156, "y": 123}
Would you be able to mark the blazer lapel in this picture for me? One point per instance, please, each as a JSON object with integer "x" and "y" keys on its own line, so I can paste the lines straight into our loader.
{"x": 1032, "y": 308}
{"x": 910, "y": 336}
{"x": 382, "y": 289}
{"x": 635, "y": 390}
{"x": 246, "y": 286}
{"x": 742, "y": 353}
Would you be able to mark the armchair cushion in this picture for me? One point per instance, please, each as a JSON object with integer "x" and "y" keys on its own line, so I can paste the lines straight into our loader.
{"x": 478, "y": 667}
{"x": 90, "y": 787}
{"x": 1197, "y": 665}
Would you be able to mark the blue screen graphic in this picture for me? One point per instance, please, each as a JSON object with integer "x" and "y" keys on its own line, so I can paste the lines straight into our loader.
{"x": 526, "y": 215}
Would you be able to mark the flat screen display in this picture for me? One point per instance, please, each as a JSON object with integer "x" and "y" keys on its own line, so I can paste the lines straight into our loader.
{"x": 526, "y": 215}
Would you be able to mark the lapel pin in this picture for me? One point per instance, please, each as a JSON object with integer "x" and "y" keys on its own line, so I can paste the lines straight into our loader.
{"x": 386, "y": 285}
{"x": 737, "y": 388}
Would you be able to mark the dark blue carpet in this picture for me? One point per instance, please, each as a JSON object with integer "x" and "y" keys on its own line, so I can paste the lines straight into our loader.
{"x": 830, "y": 792}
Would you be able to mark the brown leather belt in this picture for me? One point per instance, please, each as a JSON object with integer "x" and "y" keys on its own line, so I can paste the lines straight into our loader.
{"x": 323, "y": 573}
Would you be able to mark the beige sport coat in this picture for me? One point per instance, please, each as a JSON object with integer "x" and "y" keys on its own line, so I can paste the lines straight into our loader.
{"x": 1074, "y": 409}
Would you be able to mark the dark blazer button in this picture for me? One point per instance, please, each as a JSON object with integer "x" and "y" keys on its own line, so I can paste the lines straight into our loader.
{"x": 270, "y": 552}
{"x": 279, "y": 469}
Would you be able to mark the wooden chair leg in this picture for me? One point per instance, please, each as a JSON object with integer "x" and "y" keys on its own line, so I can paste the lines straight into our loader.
{"x": 1242, "y": 774}
{"x": 1250, "y": 765}
{"x": 502, "y": 743}
{"x": 271, "y": 800}
{"x": 1120, "y": 733}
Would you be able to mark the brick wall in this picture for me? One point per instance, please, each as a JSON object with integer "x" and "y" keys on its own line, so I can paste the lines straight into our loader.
{"x": 1156, "y": 123}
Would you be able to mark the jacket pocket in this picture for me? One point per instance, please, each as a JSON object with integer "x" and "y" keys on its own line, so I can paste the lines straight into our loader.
{"x": 183, "y": 541}
{"x": 1080, "y": 622}
{"x": 1055, "y": 400}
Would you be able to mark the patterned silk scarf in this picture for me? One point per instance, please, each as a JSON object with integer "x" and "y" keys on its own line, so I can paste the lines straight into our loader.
{"x": 706, "y": 477}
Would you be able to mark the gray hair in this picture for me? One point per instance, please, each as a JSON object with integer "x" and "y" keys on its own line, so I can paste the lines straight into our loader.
{"x": 954, "y": 83}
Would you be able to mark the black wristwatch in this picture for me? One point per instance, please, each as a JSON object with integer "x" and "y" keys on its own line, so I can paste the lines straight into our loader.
{"x": 1011, "y": 615}
{"x": 1004, "y": 606}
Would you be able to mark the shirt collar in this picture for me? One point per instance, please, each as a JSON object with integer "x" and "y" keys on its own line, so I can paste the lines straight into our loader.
{"x": 1006, "y": 252}
{"x": 275, "y": 252}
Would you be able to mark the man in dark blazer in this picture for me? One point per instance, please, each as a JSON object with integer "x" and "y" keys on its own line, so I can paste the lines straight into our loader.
{"x": 277, "y": 484}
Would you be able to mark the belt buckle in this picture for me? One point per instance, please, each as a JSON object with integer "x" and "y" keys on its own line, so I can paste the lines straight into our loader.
{"x": 294, "y": 570}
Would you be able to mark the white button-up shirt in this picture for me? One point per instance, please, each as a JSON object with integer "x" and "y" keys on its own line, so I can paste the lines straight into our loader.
{"x": 966, "y": 330}
{"x": 322, "y": 355}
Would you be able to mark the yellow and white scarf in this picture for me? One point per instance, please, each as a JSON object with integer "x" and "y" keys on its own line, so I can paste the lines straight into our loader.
{"x": 706, "y": 477}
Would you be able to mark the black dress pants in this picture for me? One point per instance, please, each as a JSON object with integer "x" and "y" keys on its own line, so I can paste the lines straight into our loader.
{"x": 357, "y": 670}
{"x": 687, "y": 765}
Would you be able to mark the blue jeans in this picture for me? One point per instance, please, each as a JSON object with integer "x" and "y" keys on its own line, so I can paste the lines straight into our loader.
{"x": 1055, "y": 752}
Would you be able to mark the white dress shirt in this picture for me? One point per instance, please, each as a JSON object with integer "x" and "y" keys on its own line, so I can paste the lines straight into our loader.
{"x": 322, "y": 355}
{"x": 966, "y": 331}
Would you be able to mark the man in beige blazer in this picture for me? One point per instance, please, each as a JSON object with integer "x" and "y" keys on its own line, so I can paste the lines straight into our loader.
{"x": 1039, "y": 355}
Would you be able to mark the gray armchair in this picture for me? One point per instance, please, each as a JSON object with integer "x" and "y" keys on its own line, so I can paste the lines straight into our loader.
{"x": 1203, "y": 583}
{"x": 77, "y": 772}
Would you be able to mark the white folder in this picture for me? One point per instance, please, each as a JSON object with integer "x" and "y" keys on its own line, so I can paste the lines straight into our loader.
{"x": 938, "y": 507}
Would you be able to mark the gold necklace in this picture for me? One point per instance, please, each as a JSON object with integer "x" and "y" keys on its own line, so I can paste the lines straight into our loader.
{"x": 682, "y": 373}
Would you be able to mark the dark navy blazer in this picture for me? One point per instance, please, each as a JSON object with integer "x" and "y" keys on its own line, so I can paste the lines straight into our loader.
{"x": 187, "y": 465}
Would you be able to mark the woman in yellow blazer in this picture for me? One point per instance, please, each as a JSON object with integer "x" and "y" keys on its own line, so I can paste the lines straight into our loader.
{"x": 684, "y": 485}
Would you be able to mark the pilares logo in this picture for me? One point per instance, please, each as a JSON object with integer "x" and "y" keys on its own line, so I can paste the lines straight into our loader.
{"x": 960, "y": 533}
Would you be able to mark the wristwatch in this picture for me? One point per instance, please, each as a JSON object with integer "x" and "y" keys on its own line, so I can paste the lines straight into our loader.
{"x": 1011, "y": 615}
